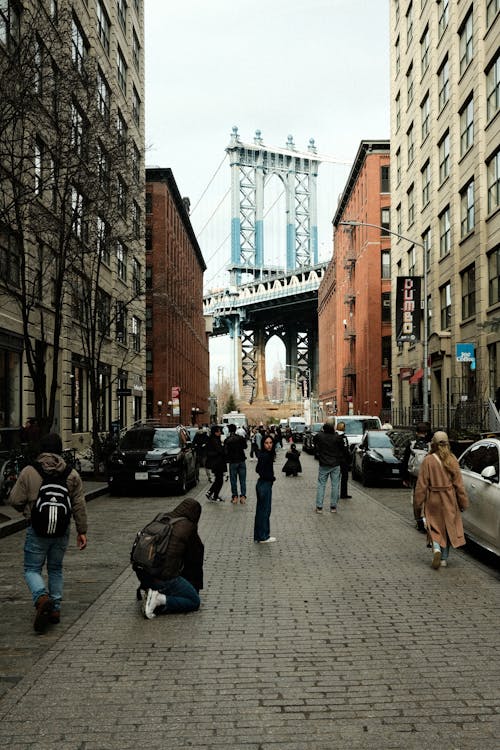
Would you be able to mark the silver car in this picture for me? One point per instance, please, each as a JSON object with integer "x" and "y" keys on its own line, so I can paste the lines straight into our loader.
{"x": 480, "y": 467}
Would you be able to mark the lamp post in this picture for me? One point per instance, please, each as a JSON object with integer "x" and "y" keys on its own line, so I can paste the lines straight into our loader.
{"x": 159, "y": 405}
{"x": 194, "y": 415}
{"x": 425, "y": 343}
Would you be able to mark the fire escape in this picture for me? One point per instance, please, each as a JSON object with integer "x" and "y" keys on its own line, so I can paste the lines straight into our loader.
{"x": 349, "y": 372}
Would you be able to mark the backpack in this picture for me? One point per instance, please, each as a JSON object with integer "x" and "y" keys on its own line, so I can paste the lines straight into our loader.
{"x": 51, "y": 513}
{"x": 418, "y": 451}
{"x": 149, "y": 550}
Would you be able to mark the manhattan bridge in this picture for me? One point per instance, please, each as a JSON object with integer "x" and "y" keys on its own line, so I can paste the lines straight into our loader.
{"x": 263, "y": 300}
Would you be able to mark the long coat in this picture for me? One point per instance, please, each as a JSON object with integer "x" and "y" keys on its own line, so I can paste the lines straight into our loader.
{"x": 442, "y": 497}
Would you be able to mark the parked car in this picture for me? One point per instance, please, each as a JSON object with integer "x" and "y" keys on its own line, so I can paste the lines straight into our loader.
{"x": 309, "y": 435}
{"x": 480, "y": 467}
{"x": 356, "y": 425}
{"x": 153, "y": 456}
{"x": 375, "y": 459}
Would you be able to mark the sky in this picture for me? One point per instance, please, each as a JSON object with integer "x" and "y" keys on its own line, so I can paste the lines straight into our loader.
{"x": 309, "y": 68}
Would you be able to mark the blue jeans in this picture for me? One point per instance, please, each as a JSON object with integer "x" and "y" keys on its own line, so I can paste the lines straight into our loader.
{"x": 238, "y": 471}
{"x": 39, "y": 550}
{"x": 323, "y": 473}
{"x": 262, "y": 526}
{"x": 181, "y": 596}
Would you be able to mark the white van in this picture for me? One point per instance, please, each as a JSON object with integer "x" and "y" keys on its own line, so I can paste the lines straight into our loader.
{"x": 355, "y": 426}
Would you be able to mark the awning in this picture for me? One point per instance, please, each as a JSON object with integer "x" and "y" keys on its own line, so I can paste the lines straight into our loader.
{"x": 416, "y": 377}
{"x": 404, "y": 373}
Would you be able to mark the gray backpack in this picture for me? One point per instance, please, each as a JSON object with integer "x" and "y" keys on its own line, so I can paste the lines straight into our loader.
{"x": 418, "y": 451}
{"x": 150, "y": 547}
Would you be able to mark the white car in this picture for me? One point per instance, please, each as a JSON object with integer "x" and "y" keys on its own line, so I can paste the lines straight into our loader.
{"x": 356, "y": 426}
{"x": 480, "y": 467}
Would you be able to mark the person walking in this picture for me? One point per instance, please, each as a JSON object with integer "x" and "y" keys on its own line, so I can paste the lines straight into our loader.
{"x": 292, "y": 466}
{"x": 345, "y": 463}
{"x": 264, "y": 489}
{"x": 200, "y": 442}
{"x": 440, "y": 497}
{"x": 171, "y": 592}
{"x": 329, "y": 447}
{"x": 39, "y": 548}
{"x": 234, "y": 446}
{"x": 216, "y": 462}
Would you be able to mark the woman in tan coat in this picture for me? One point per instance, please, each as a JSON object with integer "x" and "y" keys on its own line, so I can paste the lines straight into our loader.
{"x": 440, "y": 496}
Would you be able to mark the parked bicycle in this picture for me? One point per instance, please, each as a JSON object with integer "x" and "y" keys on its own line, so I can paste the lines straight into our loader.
{"x": 9, "y": 473}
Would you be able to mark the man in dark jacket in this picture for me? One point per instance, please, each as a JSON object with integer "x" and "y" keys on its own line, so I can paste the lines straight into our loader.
{"x": 172, "y": 592}
{"x": 234, "y": 446}
{"x": 41, "y": 550}
{"x": 330, "y": 450}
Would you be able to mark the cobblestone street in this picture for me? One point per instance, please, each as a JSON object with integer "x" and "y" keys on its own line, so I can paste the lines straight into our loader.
{"x": 339, "y": 635}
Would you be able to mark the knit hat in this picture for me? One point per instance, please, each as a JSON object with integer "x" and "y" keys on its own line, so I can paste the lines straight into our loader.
{"x": 51, "y": 443}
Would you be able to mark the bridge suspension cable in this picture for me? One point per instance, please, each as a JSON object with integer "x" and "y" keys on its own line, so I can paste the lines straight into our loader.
{"x": 210, "y": 182}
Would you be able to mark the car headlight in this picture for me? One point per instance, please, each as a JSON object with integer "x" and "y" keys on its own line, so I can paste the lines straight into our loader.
{"x": 374, "y": 456}
{"x": 168, "y": 461}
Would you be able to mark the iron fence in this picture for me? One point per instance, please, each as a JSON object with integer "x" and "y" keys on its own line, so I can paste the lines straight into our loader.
{"x": 466, "y": 417}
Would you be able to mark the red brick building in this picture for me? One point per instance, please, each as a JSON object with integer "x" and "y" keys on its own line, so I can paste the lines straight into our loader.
{"x": 177, "y": 358}
{"x": 354, "y": 299}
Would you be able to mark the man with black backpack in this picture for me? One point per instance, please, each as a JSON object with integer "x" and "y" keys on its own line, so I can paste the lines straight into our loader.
{"x": 167, "y": 556}
{"x": 48, "y": 493}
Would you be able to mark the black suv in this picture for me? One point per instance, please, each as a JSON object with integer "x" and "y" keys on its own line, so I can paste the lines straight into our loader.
{"x": 153, "y": 456}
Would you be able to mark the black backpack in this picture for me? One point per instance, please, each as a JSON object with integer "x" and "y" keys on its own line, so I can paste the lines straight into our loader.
{"x": 51, "y": 513}
{"x": 149, "y": 550}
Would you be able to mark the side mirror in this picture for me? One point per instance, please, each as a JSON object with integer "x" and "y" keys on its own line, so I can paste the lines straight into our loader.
{"x": 489, "y": 472}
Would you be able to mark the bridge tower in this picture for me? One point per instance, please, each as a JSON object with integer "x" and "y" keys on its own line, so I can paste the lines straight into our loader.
{"x": 251, "y": 166}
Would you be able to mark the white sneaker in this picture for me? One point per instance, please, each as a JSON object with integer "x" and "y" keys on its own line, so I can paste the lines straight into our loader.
{"x": 268, "y": 541}
{"x": 443, "y": 564}
{"x": 153, "y": 599}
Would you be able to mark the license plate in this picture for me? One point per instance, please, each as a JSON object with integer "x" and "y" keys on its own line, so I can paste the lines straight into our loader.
{"x": 395, "y": 471}
{"x": 141, "y": 475}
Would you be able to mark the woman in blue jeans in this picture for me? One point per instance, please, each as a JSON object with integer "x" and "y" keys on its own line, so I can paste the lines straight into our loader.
{"x": 265, "y": 470}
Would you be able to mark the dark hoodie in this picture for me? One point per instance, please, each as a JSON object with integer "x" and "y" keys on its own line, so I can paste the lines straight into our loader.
{"x": 185, "y": 549}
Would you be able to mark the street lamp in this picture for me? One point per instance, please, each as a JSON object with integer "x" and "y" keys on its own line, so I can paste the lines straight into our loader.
{"x": 425, "y": 343}
{"x": 194, "y": 415}
{"x": 159, "y": 405}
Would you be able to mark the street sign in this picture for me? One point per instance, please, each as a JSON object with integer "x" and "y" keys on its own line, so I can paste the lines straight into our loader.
{"x": 124, "y": 391}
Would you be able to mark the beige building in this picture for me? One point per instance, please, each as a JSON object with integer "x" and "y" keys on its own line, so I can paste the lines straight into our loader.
{"x": 445, "y": 172}
{"x": 72, "y": 257}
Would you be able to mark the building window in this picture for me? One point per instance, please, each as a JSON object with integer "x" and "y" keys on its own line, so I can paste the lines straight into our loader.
{"x": 467, "y": 209}
{"x": 10, "y": 258}
{"x": 397, "y": 55}
{"x": 121, "y": 132}
{"x": 149, "y": 239}
{"x": 121, "y": 322}
{"x": 493, "y": 88}
{"x": 445, "y": 299}
{"x": 493, "y": 176}
{"x": 149, "y": 277}
{"x": 386, "y": 264}
{"x": 399, "y": 225}
{"x": 466, "y": 126}
{"x": 104, "y": 167}
{"x": 398, "y": 110}
{"x": 9, "y": 23}
{"x": 469, "y": 292}
{"x": 149, "y": 203}
{"x": 424, "y": 50}
{"x": 38, "y": 164}
{"x": 77, "y": 221}
{"x": 491, "y": 10}
{"x": 444, "y": 16}
{"x": 136, "y": 50}
{"x": 426, "y": 183}
{"x": 77, "y": 131}
{"x": 425, "y": 112}
{"x": 426, "y": 242}
{"x": 385, "y": 221}
{"x": 444, "y": 232}
{"x": 409, "y": 24}
{"x": 121, "y": 261}
{"x": 443, "y": 83}
{"x": 136, "y": 277}
{"x": 136, "y": 163}
{"x": 79, "y": 47}
{"x": 121, "y": 197}
{"x": 411, "y": 205}
{"x": 385, "y": 181}
{"x": 135, "y": 334}
{"x": 398, "y": 166}
{"x": 465, "y": 42}
{"x": 103, "y": 305}
{"x": 444, "y": 157}
{"x": 149, "y": 361}
{"x": 136, "y": 220}
{"x": 412, "y": 261}
{"x": 103, "y": 240}
{"x": 121, "y": 12}
{"x": 410, "y": 141}
{"x": 103, "y": 96}
{"x": 103, "y": 25}
{"x": 386, "y": 307}
{"x": 494, "y": 277}
{"x": 121, "y": 71}
{"x": 136, "y": 106}
{"x": 409, "y": 85}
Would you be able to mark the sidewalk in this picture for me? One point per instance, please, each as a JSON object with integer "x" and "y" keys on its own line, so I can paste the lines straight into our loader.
{"x": 338, "y": 636}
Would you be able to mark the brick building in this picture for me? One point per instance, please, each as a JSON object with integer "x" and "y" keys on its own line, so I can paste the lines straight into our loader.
{"x": 176, "y": 340}
{"x": 354, "y": 312}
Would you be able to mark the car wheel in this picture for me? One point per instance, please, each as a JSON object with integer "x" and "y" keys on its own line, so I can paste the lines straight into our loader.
{"x": 183, "y": 483}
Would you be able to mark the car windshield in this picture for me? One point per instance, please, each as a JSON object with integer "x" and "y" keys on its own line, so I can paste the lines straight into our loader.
{"x": 166, "y": 439}
{"x": 136, "y": 440}
{"x": 379, "y": 439}
{"x": 358, "y": 426}
{"x": 297, "y": 426}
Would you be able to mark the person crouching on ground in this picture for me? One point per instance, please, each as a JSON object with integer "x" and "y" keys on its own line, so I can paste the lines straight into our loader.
{"x": 440, "y": 496}
{"x": 292, "y": 466}
{"x": 172, "y": 592}
{"x": 50, "y": 550}
{"x": 264, "y": 488}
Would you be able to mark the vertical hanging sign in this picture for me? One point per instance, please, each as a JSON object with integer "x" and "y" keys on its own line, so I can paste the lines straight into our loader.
{"x": 408, "y": 312}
